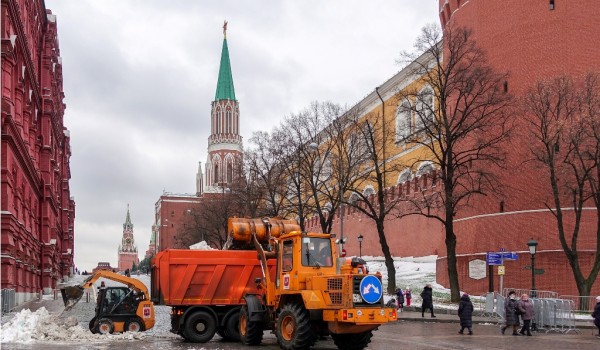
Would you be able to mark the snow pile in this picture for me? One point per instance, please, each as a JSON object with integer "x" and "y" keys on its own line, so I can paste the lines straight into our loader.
{"x": 202, "y": 245}
{"x": 28, "y": 327}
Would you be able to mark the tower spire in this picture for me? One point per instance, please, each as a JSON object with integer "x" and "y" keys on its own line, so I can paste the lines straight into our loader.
{"x": 225, "y": 90}
{"x": 128, "y": 224}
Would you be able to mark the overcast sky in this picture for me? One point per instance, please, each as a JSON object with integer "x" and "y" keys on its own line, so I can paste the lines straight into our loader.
{"x": 139, "y": 78}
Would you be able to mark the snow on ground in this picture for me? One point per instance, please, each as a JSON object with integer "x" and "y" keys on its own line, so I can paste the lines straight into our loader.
{"x": 27, "y": 326}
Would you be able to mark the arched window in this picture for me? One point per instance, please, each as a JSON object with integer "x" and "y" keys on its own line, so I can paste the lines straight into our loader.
{"x": 353, "y": 198}
{"x": 217, "y": 121}
{"x": 424, "y": 109}
{"x": 404, "y": 176}
{"x": 403, "y": 121}
{"x": 216, "y": 177}
{"x": 425, "y": 168}
{"x": 369, "y": 190}
{"x": 228, "y": 117}
{"x": 229, "y": 171}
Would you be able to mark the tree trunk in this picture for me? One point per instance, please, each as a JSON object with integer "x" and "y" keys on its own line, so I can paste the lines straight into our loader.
{"x": 389, "y": 260}
{"x": 451, "y": 257}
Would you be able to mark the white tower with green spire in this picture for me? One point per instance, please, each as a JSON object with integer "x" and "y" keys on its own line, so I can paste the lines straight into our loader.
{"x": 225, "y": 143}
{"x": 128, "y": 254}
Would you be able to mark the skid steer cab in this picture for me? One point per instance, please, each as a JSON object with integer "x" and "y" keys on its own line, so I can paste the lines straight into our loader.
{"x": 118, "y": 309}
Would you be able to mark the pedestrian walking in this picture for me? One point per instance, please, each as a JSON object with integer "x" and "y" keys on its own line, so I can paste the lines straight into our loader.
{"x": 400, "y": 299}
{"x": 465, "y": 313}
{"x": 596, "y": 315}
{"x": 427, "y": 296}
{"x": 407, "y": 296}
{"x": 525, "y": 307}
{"x": 510, "y": 313}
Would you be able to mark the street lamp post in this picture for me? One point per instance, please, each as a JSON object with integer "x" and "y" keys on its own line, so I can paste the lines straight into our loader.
{"x": 341, "y": 204}
{"x": 360, "y": 239}
{"x": 532, "y": 244}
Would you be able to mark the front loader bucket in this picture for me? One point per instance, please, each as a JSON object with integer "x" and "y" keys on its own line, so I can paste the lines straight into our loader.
{"x": 71, "y": 295}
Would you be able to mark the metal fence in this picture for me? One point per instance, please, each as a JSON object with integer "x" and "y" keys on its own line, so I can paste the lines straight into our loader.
{"x": 542, "y": 294}
{"x": 9, "y": 300}
{"x": 554, "y": 315}
{"x": 582, "y": 304}
{"x": 551, "y": 314}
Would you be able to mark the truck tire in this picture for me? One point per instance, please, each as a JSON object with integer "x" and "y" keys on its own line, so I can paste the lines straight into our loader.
{"x": 105, "y": 326}
{"x": 199, "y": 327}
{"x": 356, "y": 341}
{"x": 92, "y": 325}
{"x": 134, "y": 325}
{"x": 232, "y": 327}
{"x": 251, "y": 333}
{"x": 294, "y": 330}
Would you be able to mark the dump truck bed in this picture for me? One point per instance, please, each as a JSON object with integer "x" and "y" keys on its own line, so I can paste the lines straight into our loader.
{"x": 205, "y": 277}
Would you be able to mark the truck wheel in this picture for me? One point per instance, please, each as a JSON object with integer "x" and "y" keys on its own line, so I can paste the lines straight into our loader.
{"x": 294, "y": 328}
{"x": 134, "y": 325}
{"x": 92, "y": 325}
{"x": 356, "y": 341}
{"x": 200, "y": 327}
{"x": 251, "y": 333}
{"x": 231, "y": 330}
{"x": 105, "y": 326}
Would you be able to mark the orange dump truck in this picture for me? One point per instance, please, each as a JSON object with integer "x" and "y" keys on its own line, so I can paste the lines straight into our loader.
{"x": 205, "y": 289}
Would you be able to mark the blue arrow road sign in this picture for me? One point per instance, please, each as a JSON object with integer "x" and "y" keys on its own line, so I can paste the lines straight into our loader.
{"x": 494, "y": 258}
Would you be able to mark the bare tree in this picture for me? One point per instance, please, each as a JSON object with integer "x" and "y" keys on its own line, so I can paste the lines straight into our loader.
{"x": 266, "y": 174}
{"x": 208, "y": 220}
{"x": 367, "y": 168}
{"x": 461, "y": 117}
{"x": 565, "y": 121}
{"x": 305, "y": 162}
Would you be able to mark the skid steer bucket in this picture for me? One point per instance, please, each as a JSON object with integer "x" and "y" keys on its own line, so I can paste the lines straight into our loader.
{"x": 71, "y": 295}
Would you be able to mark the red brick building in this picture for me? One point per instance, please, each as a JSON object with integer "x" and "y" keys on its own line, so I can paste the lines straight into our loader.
{"x": 170, "y": 211}
{"x": 37, "y": 209}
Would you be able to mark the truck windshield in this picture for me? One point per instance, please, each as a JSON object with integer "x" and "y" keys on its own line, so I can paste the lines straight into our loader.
{"x": 316, "y": 252}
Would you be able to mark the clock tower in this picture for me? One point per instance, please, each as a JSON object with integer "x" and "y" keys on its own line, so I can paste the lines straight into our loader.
{"x": 128, "y": 254}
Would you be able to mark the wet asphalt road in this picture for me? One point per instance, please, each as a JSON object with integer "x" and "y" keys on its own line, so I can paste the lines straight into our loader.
{"x": 402, "y": 335}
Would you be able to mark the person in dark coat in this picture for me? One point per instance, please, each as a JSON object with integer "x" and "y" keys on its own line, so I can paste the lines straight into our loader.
{"x": 465, "y": 312}
{"x": 527, "y": 312}
{"x": 400, "y": 298}
{"x": 510, "y": 313}
{"x": 427, "y": 296}
{"x": 596, "y": 315}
